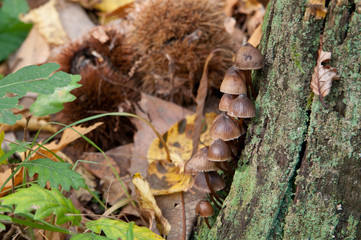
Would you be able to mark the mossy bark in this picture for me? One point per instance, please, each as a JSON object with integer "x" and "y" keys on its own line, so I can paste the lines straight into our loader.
{"x": 300, "y": 173}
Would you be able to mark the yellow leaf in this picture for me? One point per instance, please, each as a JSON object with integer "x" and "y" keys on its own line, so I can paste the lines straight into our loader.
{"x": 47, "y": 22}
{"x": 111, "y": 5}
{"x": 147, "y": 202}
{"x": 167, "y": 177}
{"x": 316, "y": 8}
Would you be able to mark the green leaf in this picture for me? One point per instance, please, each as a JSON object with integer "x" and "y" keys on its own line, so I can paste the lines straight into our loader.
{"x": 37, "y": 79}
{"x": 88, "y": 236}
{"x": 44, "y": 202}
{"x": 14, "y": 7}
{"x": 3, "y": 217}
{"x": 53, "y": 103}
{"x": 115, "y": 229}
{"x": 57, "y": 173}
{"x": 12, "y": 150}
{"x": 130, "y": 233}
{"x": 12, "y": 30}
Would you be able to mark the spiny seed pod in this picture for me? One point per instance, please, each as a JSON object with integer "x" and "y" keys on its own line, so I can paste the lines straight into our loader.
{"x": 103, "y": 60}
{"x": 174, "y": 39}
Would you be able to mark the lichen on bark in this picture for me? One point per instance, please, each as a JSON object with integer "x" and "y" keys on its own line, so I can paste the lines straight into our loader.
{"x": 270, "y": 198}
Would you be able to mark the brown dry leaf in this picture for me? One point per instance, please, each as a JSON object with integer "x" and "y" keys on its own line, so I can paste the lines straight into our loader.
{"x": 34, "y": 50}
{"x": 69, "y": 136}
{"x": 5, "y": 172}
{"x": 248, "y": 6}
{"x": 147, "y": 202}
{"x": 46, "y": 20}
{"x": 323, "y": 75}
{"x": 316, "y": 8}
{"x": 34, "y": 125}
{"x": 255, "y": 38}
{"x": 228, "y": 7}
{"x": 162, "y": 115}
{"x": 111, "y": 5}
{"x": 171, "y": 206}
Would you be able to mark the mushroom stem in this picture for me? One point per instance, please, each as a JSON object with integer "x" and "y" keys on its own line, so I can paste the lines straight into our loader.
{"x": 215, "y": 195}
{"x": 215, "y": 202}
{"x": 249, "y": 83}
{"x": 206, "y": 220}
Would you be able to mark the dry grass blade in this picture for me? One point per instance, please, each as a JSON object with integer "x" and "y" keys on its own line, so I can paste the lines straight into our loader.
{"x": 200, "y": 100}
{"x": 323, "y": 75}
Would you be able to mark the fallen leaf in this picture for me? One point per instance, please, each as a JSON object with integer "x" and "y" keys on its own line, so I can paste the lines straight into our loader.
{"x": 47, "y": 22}
{"x": 167, "y": 177}
{"x": 33, "y": 51}
{"x": 323, "y": 75}
{"x": 248, "y": 6}
{"x": 255, "y": 38}
{"x": 5, "y": 172}
{"x": 316, "y": 8}
{"x": 147, "y": 202}
{"x": 111, "y": 5}
{"x": 228, "y": 7}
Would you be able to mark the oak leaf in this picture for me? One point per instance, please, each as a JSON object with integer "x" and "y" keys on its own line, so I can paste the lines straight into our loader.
{"x": 322, "y": 76}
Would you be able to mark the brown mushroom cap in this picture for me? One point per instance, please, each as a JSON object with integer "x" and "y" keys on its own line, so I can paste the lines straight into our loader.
{"x": 188, "y": 170}
{"x": 242, "y": 107}
{"x": 225, "y": 128}
{"x": 225, "y": 102}
{"x": 248, "y": 58}
{"x": 219, "y": 151}
{"x": 234, "y": 82}
{"x": 216, "y": 181}
{"x": 200, "y": 163}
{"x": 204, "y": 208}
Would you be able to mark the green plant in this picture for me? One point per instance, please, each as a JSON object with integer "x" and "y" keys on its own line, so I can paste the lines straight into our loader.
{"x": 32, "y": 206}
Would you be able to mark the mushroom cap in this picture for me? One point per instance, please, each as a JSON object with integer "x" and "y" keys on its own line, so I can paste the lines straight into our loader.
{"x": 219, "y": 151}
{"x": 248, "y": 58}
{"x": 234, "y": 82}
{"x": 242, "y": 107}
{"x": 216, "y": 181}
{"x": 200, "y": 163}
{"x": 204, "y": 208}
{"x": 225, "y": 102}
{"x": 225, "y": 128}
{"x": 188, "y": 170}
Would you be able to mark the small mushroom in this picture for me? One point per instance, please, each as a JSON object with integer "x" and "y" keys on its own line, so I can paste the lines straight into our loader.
{"x": 225, "y": 102}
{"x": 225, "y": 128}
{"x": 234, "y": 82}
{"x": 205, "y": 210}
{"x": 200, "y": 163}
{"x": 249, "y": 58}
{"x": 219, "y": 151}
{"x": 210, "y": 182}
{"x": 242, "y": 107}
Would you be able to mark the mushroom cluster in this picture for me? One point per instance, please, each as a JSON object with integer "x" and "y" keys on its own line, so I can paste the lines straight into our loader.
{"x": 236, "y": 105}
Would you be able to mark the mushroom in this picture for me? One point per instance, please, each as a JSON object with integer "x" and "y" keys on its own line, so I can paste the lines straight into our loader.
{"x": 200, "y": 163}
{"x": 220, "y": 152}
{"x": 225, "y": 102}
{"x": 242, "y": 107}
{"x": 210, "y": 182}
{"x": 225, "y": 128}
{"x": 249, "y": 58}
{"x": 205, "y": 210}
{"x": 234, "y": 82}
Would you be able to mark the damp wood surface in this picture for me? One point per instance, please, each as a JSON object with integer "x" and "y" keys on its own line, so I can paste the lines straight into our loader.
{"x": 300, "y": 172}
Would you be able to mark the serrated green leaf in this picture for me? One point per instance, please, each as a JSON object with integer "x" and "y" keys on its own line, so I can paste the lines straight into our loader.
{"x": 57, "y": 173}
{"x": 13, "y": 150}
{"x": 44, "y": 202}
{"x": 37, "y": 79}
{"x": 115, "y": 229}
{"x": 130, "y": 233}
{"x": 53, "y": 103}
{"x": 88, "y": 236}
{"x": 14, "y": 7}
{"x": 12, "y": 30}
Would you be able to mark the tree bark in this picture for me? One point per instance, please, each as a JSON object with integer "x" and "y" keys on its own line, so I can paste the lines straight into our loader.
{"x": 299, "y": 176}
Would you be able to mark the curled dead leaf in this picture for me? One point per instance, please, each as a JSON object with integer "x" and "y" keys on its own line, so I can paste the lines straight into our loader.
{"x": 147, "y": 202}
{"x": 323, "y": 75}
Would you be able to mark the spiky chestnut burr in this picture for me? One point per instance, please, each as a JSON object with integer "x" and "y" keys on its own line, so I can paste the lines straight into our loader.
{"x": 174, "y": 39}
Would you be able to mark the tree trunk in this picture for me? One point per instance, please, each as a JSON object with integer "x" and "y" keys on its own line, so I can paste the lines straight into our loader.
{"x": 300, "y": 173}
